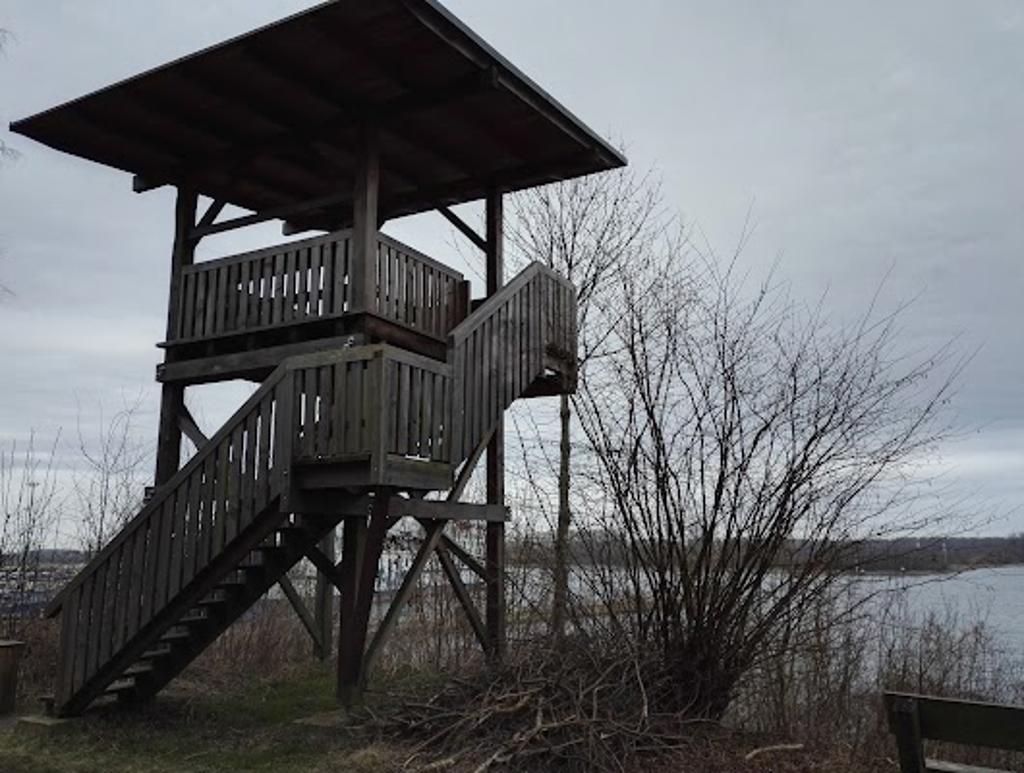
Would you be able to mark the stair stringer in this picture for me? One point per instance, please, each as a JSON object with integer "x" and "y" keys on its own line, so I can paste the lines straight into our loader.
{"x": 171, "y": 613}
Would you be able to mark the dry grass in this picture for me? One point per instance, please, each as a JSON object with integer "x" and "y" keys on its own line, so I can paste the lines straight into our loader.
{"x": 233, "y": 708}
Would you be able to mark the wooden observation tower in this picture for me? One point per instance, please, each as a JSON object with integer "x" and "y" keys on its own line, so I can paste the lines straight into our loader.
{"x": 382, "y": 385}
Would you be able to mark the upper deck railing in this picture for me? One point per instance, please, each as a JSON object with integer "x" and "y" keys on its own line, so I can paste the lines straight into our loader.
{"x": 311, "y": 280}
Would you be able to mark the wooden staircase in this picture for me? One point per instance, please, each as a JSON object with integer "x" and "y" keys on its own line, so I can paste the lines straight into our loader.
{"x": 354, "y": 424}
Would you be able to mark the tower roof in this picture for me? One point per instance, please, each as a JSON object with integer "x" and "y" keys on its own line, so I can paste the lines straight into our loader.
{"x": 270, "y": 120}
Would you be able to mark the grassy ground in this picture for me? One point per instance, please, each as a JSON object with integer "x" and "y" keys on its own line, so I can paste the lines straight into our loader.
{"x": 192, "y": 727}
{"x": 189, "y": 730}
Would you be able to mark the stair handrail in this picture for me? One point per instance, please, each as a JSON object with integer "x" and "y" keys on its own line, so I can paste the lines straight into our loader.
{"x": 162, "y": 492}
{"x": 478, "y": 315}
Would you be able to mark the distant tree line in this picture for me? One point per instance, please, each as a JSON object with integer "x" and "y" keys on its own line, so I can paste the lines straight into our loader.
{"x": 909, "y": 554}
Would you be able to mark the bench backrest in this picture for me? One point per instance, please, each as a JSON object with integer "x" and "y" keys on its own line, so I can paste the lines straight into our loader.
{"x": 913, "y": 718}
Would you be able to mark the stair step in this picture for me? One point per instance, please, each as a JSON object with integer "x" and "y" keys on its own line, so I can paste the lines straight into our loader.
{"x": 120, "y": 687}
{"x": 232, "y": 580}
{"x": 214, "y": 598}
{"x": 195, "y": 618}
{"x": 140, "y": 669}
{"x": 255, "y": 560}
{"x": 177, "y": 634}
{"x": 153, "y": 654}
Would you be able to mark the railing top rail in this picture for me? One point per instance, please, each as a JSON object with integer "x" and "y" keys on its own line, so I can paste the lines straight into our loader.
{"x": 313, "y": 241}
{"x": 264, "y": 252}
{"x": 480, "y": 315}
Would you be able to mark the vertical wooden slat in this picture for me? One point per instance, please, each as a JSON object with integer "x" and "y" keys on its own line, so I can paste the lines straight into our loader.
{"x": 339, "y": 410}
{"x": 81, "y": 643}
{"x": 302, "y": 285}
{"x": 212, "y": 303}
{"x": 180, "y": 544}
{"x": 309, "y": 417}
{"x": 68, "y": 632}
{"x": 220, "y": 493}
{"x": 315, "y": 279}
{"x": 145, "y": 554}
{"x": 429, "y": 381}
{"x": 206, "y": 521}
{"x": 190, "y": 565}
{"x": 402, "y": 439}
{"x": 95, "y": 629}
{"x": 244, "y": 296}
{"x": 329, "y": 263}
{"x": 109, "y": 608}
{"x": 248, "y": 482}
{"x": 265, "y": 430}
{"x": 277, "y": 308}
{"x": 199, "y": 328}
{"x": 188, "y": 291}
{"x": 354, "y": 407}
{"x": 233, "y": 500}
{"x": 157, "y": 588}
{"x": 440, "y": 431}
{"x": 343, "y": 297}
{"x": 284, "y": 423}
{"x": 288, "y": 292}
{"x": 265, "y": 290}
{"x": 415, "y": 406}
{"x": 327, "y": 410}
{"x": 126, "y": 587}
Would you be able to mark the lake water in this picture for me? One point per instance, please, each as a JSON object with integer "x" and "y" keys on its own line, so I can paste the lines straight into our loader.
{"x": 993, "y": 595}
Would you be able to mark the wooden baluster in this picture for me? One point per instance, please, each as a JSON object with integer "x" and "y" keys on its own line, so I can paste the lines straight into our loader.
{"x": 265, "y": 431}
{"x": 95, "y": 629}
{"x": 144, "y": 555}
{"x": 68, "y": 633}
{"x": 83, "y": 634}
{"x": 125, "y": 588}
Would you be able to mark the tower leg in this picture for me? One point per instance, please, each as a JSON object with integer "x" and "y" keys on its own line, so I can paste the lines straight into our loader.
{"x": 172, "y": 399}
{"x": 168, "y": 450}
{"x": 495, "y": 561}
{"x": 323, "y": 605}
{"x": 362, "y": 544}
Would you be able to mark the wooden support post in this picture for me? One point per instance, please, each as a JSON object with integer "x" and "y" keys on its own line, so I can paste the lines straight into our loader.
{"x": 495, "y": 560}
{"x": 323, "y": 605}
{"x": 430, "y": 542}
{"x": 172, "y": 398}
{"x": 299, "y": 606}
{"x": 365, "y": 214}
{"x": 362, "y": 544}
{"x": 188, "y": 425}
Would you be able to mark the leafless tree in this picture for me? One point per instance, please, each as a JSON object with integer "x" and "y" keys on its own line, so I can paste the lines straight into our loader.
{"x": 28, "y": 518}
{"x": 587, "y": 229}
{"x": 742, "y": 444}
{"x": 108, "y": 490}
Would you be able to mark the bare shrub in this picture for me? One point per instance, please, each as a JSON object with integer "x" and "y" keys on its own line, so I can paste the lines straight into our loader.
{"x": 587, "y": 229}
{"x": 585, "y": 706}
{"x": 742, "y": 446}
{"x": 267, "y": 642}
{"x": 28, "y": 519}
{"x": 826, "y": 690}
{"x": 109, "y": 489}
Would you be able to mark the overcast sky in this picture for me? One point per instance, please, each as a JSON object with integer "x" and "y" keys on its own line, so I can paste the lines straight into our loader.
{"x": 873, "y": 138}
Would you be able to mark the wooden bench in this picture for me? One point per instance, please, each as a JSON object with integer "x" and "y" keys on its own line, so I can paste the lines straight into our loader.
{"x": 915, "y": 718}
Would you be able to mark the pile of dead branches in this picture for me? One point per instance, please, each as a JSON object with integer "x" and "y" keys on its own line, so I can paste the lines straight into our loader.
{"x": 575, "y": 709}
